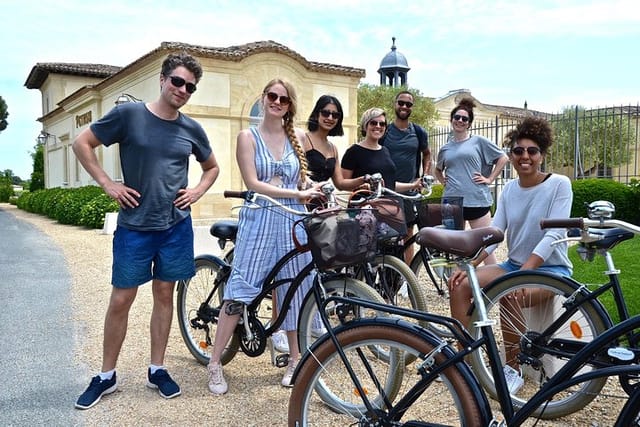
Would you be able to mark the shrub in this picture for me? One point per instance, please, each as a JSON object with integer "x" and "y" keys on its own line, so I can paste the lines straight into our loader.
{"x": 6, "y": 191}
{"x": 589, "y": 190}
{"x": 69, "y": 204}
{"x": 92, "y": 214}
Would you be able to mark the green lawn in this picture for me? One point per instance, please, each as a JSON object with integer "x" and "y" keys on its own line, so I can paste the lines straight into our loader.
{"x": 625, "y": 256}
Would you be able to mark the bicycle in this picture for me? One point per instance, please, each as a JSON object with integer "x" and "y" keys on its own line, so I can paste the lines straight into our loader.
{"x": 555, "y": 316}
{"x": 430, "y": 266}
{"x": 200, "y": 298}
{"x": 341, "y": 361}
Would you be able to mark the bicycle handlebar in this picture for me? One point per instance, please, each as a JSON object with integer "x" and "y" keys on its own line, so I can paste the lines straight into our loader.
{"x": 585, "y": 223}
{"x": 251, "y": 197}
{"x": 236, "y": 194}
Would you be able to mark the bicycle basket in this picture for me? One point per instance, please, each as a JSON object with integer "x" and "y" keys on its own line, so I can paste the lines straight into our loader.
{"x": 445, "y": 211}
{"x": 389, "y": 212}
{"x": 341, "y": 237}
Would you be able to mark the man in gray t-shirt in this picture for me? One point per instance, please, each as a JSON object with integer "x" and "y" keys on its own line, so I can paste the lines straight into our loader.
{"x": 154, "y": 238}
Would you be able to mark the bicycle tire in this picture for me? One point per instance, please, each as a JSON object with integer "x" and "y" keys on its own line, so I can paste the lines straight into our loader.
{"x": 590, "y": 317}
{"x": 191, "y": 294}
{"x": 433, "y": 280}
{"x": 394, "y": 280}
{"x": 341, "y": 285}
{"x": 455, "y": 400}
{"x": 630, "y": 413}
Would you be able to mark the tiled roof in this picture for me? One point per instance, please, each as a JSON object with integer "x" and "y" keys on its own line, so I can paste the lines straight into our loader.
{"x": 41, "y": 70}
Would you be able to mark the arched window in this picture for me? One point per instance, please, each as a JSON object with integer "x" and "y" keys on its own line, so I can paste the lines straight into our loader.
{"x": 256, "y": 113}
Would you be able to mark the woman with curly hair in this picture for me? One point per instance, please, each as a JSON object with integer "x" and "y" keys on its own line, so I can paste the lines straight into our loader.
{"x": 523, "y": 203}
{"x": 466, "y": 165}
{"x": 272, "y": 162}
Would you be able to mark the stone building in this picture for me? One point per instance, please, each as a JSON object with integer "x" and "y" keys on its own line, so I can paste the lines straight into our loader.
{"x": 75, "y": 95}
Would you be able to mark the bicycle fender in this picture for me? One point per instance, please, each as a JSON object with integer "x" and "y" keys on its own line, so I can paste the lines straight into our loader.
{"x": 212, "y": 258}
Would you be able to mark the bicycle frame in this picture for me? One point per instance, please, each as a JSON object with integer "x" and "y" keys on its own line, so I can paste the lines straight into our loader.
{"x": 563, "y": 379}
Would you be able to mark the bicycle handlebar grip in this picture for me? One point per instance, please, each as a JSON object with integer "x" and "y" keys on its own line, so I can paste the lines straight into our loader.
{"x": 562, "y": 223}
{"x": 235, "y": 194}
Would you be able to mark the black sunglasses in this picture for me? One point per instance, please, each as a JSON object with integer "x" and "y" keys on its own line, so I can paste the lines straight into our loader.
{"x": 377, "y": 123}
{"x": 465, "y": 119}
{"x": 326, "y": 114}
{"x": 519, "y": 151}
{"x": 405, "y": 104}
{"x": 179, "y": 82}
{"x": 284, "y": 100}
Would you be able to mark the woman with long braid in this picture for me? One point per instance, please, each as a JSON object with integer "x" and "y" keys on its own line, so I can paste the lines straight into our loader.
{"x": 272, "y": 162}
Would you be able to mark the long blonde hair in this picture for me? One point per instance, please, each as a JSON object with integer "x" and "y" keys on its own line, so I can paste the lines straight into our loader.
{"x": 288, "y": 121}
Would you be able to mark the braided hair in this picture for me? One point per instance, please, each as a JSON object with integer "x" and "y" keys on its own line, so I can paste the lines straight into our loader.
{"x": 288, "y": 122}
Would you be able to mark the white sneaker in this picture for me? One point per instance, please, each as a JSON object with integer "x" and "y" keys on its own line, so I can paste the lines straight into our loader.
{"x": 291, "y": 367}
{"x": 280, "y": 341}
{"x": 514, "y": 379}
{"x": 217, "y": 384}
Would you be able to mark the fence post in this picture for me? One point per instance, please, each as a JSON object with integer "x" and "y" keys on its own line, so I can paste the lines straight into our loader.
{"x": 576, "y": 146}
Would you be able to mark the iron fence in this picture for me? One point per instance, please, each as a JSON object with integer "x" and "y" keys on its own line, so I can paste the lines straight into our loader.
{"x": 600, "y": 143}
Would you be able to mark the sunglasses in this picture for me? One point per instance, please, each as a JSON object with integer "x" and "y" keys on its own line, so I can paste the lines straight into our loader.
{"x": 377, "y": 123}
{"x": 284, "y": 100}
{"x": 179, "y": 82}
{"x": 465, "y": 119}
{"x": 326, "y": 114}
{"x": 519, "y": 151}
{"x": 405, "y": 104}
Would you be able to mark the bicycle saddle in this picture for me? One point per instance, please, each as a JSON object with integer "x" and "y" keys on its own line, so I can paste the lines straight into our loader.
{"x": 225, "y": 229}
{"x": 464, "y": 243}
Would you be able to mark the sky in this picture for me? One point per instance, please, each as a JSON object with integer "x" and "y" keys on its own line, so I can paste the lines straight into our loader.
{"x": 551, "y": 54}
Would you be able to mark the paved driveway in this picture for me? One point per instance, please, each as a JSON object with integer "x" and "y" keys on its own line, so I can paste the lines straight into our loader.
{"x": 39, "y": 378}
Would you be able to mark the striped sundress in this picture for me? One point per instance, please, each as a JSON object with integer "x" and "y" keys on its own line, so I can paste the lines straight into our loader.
{"x": 264, "y": 236}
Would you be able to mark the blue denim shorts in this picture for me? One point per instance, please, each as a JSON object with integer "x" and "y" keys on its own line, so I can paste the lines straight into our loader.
{"x": 562, "y": 270}
{"x": 139, "y": 256}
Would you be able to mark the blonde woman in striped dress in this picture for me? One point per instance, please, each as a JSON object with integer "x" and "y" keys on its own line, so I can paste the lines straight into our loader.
{"x": 272, "y": 162}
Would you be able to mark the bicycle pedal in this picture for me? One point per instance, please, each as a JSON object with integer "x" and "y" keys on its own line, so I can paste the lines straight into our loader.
{"x": 282, "y": 360}
{"x": 233, "y": 308}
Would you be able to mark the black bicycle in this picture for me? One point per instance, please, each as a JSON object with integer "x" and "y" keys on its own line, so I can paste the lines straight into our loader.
{"x": 200, "y": 298}
{"x": 439, "y": 388}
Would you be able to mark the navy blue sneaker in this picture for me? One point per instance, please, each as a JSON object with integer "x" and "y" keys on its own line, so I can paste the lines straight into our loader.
{"x": 163, "y": 382}
{"x": 95, "y": 391}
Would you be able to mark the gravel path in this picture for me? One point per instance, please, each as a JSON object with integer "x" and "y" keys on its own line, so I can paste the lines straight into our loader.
{"x": 255, "y": 396}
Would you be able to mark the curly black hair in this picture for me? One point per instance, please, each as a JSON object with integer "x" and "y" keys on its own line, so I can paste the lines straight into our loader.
{"x": 536, "y": 129}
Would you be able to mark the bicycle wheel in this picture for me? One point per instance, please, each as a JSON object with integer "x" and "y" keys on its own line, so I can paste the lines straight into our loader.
{"x": 455, "y": 400}
{"x": 524, "y": 306}
{"x": 309, "y": 323}
{"x": 432, "y": 270}
{"x": 392, "y": 278}
{"x": 630, "y": 414}
{"x": 198, "y": 302}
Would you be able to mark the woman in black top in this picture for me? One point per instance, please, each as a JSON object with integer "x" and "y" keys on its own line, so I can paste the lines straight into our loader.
{"x": 322, "y": 157}
{"x": 368, "y": 156}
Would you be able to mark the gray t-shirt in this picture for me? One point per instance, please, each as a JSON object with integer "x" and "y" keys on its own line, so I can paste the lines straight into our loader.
{"x": 519, "y": 213}
{"x": 154, "y": 154}
{"x": 460, "y": 160}
{"x": 403, "y": 145}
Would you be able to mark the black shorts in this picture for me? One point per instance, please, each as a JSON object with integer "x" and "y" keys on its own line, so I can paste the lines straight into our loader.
{"x": 410, "y": 213}
{"x": 470, "y": 214}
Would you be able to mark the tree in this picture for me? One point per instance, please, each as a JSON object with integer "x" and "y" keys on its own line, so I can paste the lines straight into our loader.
{"x": 6, "y": 186}
{"x": 4, "y": 113}
{"x": 424, "y": 111}
{"x": 601, "y": 138}
{"x": 37, "y": 176}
